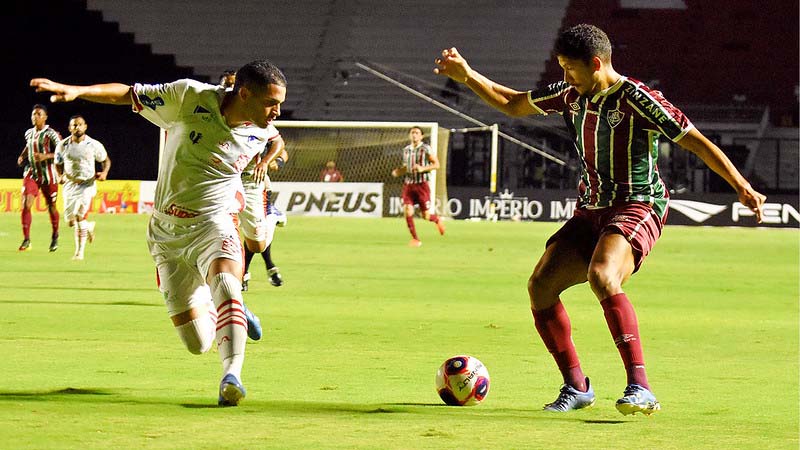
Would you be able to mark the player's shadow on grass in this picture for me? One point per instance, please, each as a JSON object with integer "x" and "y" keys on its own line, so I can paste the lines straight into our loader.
{"x": 48, "y": 395}
{"x": 72, "y": 302}
{"x": 82, "y": 288}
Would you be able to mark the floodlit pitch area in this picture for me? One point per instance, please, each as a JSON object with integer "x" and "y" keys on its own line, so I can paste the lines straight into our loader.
{"x": 353, "y": 340}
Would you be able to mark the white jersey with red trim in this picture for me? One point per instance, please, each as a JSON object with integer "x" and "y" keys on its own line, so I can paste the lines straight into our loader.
{"x": 203, "y": 158}
{"x": 247, "y": 173}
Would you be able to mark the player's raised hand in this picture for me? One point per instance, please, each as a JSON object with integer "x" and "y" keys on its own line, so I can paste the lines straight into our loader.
{"x": 754, "y": 200}
{"x": 61, "y": 92}
{"x": 453, "y": 65}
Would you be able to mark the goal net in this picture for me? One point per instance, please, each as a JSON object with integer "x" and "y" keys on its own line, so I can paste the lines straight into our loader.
{"x": 362, "y": 151}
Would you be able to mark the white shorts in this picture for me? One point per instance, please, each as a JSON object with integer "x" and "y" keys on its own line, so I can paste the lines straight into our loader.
{"x": 183, "y": 250}
{"x": 252, "y": 219}
{"x": 78, "y": 200}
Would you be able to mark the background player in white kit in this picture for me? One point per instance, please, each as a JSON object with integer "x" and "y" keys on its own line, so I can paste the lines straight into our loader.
{"x": 257, "y": 225}
{"x": 211, "y": 136}
{"x": 75, "y": 164}
{"x": 259, "y": 217}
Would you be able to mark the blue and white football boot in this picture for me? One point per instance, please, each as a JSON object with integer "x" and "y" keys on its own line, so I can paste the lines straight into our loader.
{"x": 254, "y": 330}
{"x": 570, "y": 399}
{"x": 231, "y": 391}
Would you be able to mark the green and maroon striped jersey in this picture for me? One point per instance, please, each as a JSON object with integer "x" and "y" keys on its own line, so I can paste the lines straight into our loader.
{"x": 616, "y": 133}
{"x": 416, "y": 155}
{"x": 41, "y": 141}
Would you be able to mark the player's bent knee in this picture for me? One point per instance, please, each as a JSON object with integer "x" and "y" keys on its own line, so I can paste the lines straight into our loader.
{"x": 226, "y": 285}
{"x": 602, "y": 280}
{"x": 198, "y": 335}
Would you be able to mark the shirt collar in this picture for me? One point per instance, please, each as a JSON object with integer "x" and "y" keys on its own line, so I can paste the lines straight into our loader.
{"x": 609, "y": 90}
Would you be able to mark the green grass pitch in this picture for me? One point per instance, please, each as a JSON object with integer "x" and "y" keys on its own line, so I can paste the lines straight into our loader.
{"x": 352, "y": 341}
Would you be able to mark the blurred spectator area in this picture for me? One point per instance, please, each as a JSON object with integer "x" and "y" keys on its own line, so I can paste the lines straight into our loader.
{"x": 731, "y": 65}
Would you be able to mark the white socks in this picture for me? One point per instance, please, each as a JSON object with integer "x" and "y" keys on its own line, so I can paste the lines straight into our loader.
{"x": 226, "y": 291}
{"x": 81, "y": 235}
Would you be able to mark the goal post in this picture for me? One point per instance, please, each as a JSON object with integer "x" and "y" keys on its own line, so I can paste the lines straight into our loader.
{"x": 363, "y": 152}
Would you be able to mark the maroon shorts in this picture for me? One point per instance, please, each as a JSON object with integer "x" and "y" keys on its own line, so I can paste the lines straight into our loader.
{"x": 32, "y": 187}
{"x": 637, "y": 222}
{"x": 417, "y": 193}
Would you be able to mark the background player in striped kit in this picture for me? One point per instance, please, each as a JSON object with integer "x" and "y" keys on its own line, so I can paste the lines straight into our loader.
{"x": 615, "y": 122}
{"x": 75, "y": 164}
{"x": 212, "y": 134}
{"x": 37, "y": 158}
{"x": 419, "y": 160}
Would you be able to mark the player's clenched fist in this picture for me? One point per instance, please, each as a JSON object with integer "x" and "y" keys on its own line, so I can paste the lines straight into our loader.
{"x": 453, "y": 65}
{"x": 61, "y": 92}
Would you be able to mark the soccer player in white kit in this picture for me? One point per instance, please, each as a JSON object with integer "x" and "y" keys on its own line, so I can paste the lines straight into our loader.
{"x": 211, "y": 136}
{"x": 75, "y": 164}
{"x": 258, "y": 227}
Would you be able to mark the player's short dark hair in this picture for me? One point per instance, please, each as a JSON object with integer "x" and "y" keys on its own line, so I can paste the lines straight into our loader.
{"x": 77, "y": 116}
{"x": 417, "y": 128}
{"x": 583, "y": 42}
{"x": 259, "y": 73}
{"x": 40, "y": 106}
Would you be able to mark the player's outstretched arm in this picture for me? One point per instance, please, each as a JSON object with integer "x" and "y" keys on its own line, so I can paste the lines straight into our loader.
{"x": 695, "y": 142}
{"x": 508, "y": 101}
{"x": 111, "y": 93}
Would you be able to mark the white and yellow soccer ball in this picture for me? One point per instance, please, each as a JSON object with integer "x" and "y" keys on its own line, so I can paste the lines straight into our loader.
{"x": 462, "y": 381}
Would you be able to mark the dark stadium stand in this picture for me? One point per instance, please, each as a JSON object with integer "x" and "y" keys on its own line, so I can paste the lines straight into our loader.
{"x": 716, "y": 52}
{"x": 60, "y": 39}
{"x": 731, "y": 65}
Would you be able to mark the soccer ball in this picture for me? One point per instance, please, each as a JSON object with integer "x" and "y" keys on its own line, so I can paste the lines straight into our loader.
{"x": 462, "y": 381}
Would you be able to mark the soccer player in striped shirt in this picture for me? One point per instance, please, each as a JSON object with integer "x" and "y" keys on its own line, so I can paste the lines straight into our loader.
{"x": 212, "y": 134}
{"x": 419, "y": 160}
{"x": 615, "y": 122}
{"x": 37, "y": 157}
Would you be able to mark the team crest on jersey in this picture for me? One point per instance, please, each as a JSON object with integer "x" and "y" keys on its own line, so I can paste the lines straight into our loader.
{"x": 575, "y": 106}
{"x": 614, "y": 117}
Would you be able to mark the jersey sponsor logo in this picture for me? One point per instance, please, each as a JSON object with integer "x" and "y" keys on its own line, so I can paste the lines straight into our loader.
{"x": 614, "y": 117}
{"x": 697, "y": 211}
{"x": 195, "y": 137}
{"x": 180, "y": 212}
{"x": 151, "y": 103}
{"x": 574, "y": 106}
{"x": 647, "y": 103}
